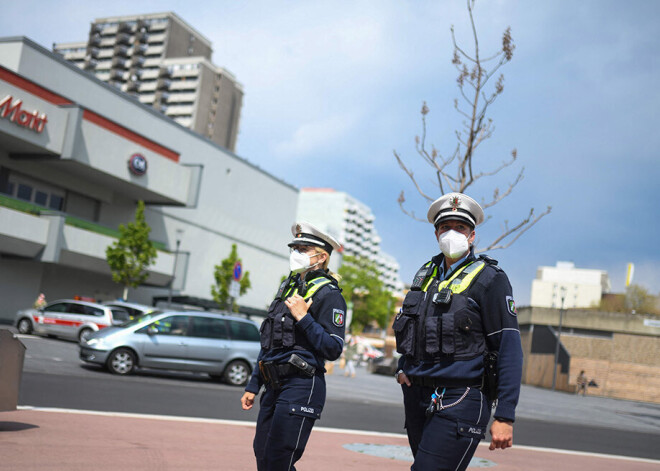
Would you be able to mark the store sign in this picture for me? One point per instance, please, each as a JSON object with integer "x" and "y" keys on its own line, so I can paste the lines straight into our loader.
{"x": 137, "y": 164}
{"x": 12, "y": 110}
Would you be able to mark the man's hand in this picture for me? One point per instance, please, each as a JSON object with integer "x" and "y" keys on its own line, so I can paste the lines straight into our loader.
{"x": 298, "y": 306}
{"x": 247, "y": 400}
{"x": 402, "y": 378}
{"x": 502, "y": 435}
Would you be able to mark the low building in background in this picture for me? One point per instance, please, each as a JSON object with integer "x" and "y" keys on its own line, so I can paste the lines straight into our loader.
{"x": 619, "y": 352}
{"x": 76, "y": 154}
{"x": 580, "y": 287}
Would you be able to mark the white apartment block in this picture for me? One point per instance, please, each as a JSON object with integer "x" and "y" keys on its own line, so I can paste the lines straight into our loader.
{"x": 352, "y": 224}
{"x": 165, "y": 63}
{"x": 580, "y": 287}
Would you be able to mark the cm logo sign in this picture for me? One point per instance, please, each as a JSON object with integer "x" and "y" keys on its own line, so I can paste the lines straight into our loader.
{"x": 137, "y": 164}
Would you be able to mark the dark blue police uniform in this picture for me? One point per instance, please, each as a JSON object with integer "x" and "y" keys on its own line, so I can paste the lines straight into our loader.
{"x": 446, "y": 327}
{"x": 294, "y": 393}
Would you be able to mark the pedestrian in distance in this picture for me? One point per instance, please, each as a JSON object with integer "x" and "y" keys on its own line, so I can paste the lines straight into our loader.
{"x": 582, "y": 383}
{"x": 350, "y": 354}
{"x": 304, "y": 328}
{"x": 458, "y": 336}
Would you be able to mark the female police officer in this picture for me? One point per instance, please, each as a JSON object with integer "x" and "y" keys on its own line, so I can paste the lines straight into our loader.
{"x": 304, "y": 327}
{"x": 458, "y": 321}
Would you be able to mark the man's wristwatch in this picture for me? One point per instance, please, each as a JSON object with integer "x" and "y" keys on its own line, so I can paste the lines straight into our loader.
{"x": 396, "y": 375}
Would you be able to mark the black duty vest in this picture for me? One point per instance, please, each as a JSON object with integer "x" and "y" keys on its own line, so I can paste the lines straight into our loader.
{"x": 278, "y": 329}
{"x": 438, "y": 319}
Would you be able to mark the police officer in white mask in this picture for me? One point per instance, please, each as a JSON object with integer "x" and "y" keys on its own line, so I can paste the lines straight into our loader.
{"x": 458, "y": 336}
{"x": 305, "y": 327}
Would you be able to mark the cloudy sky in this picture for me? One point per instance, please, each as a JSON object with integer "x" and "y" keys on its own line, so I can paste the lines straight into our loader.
{"x": 333, "y": 88}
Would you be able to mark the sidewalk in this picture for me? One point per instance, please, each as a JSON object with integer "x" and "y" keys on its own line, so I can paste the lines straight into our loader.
{"x": 53, "y": 439}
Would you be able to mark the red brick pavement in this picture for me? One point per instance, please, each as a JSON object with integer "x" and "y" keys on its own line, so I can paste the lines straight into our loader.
{"x": 65, "y": 440}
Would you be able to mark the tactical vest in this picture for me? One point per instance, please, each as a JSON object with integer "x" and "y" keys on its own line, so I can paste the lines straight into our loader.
{"x": 279, "y": 328}
{"x": 438, "y": 320}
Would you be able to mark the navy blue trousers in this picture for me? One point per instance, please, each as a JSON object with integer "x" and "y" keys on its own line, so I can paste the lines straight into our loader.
{"x": 285, "y": 421}
{"x": 447, "y": 440}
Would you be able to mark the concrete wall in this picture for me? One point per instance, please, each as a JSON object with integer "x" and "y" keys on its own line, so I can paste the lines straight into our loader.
{"x": 625, "y": 366}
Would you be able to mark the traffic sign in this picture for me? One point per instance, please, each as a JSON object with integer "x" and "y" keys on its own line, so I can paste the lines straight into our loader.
{"x": 238, "y": 271}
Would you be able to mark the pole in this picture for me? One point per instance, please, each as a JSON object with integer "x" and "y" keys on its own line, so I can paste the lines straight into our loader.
{"x": 561, "y": 316}
{"x": 176, "y": 258}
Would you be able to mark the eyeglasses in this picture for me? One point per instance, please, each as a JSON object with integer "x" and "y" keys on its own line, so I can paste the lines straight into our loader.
{"x": 301, "y": 248}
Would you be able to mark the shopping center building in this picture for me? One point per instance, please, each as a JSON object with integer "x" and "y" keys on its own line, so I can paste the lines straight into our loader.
{"x": 77, "y": 154}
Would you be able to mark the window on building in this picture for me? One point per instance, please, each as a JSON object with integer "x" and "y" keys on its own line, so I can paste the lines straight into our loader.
{"x": 24, "y": 192}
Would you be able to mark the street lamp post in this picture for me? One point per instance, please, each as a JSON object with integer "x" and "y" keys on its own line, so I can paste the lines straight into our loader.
{"x": 179, "y": 233}
{"x": 561, "y": 316}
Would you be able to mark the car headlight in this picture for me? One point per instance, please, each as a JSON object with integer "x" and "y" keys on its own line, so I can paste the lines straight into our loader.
{"x": 96, "y": 343}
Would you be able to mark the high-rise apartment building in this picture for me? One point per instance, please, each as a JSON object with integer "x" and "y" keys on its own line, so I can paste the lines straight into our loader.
{"x": 165, "y": 63}
{"x": 352, "y": 224}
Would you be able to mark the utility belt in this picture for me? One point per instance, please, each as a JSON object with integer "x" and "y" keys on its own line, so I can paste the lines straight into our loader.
{"x": 272, "y": 373}
{"x": 430, "y": 382}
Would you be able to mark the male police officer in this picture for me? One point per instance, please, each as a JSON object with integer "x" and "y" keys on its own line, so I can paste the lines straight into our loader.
{"x": 458, "y": 335}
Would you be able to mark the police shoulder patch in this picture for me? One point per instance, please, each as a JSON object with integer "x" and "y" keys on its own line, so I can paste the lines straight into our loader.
{"x": 338, "y": 317}
{"x": 511, "y": 306}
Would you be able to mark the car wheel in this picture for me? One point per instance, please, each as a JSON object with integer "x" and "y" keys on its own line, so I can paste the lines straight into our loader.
{"x": 237, "y": 373}
{"x": 24, "y": 326}
{"x": 121, "y": 361}
{"x": 84, "y": 334}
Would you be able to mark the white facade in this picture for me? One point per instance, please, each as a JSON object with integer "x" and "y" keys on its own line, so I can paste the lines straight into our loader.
{"x": 66, "y": 140}
{"x": 352, "y": 224}
{"x": 580, "y": 288}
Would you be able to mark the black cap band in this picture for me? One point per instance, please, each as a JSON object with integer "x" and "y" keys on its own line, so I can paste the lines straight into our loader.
{"x": 304, "y": 238}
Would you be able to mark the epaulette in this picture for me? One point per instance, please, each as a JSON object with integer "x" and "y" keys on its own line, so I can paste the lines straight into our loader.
{"x": 490, "y": 261}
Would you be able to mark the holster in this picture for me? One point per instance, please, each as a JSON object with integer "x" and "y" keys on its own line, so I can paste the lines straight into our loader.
{"x": 270, "y": 374}
{"x": 490, "y": 375}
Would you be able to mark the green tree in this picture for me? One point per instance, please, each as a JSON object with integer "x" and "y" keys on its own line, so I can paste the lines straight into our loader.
{"x": 638, "y": 299}
{"x": 360, "y": 280}
{"x": 131, "y": 254}
{"x": 224, "y": 274}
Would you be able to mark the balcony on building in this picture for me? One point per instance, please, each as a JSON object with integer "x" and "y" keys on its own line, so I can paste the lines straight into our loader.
{"x": 119, "y": 63}
{"x": 123, "y": 38}
{"x": 95, "y": 39}
{"x": 163, "y": 83}
{"x": 121, "y": 50}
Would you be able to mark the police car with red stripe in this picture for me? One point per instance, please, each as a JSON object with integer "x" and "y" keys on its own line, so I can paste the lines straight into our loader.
{"x": 69, "y": 319}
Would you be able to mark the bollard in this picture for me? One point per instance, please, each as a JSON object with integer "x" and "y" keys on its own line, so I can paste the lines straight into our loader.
{"x": 12, "y": 354}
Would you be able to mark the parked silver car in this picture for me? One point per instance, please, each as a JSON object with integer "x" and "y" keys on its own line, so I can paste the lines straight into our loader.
{"x": 69, "y": 318}
{"x": 221, "y": 345}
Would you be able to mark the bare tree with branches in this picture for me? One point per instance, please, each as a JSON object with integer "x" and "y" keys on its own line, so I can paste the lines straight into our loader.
{"x": 458, "y": 171}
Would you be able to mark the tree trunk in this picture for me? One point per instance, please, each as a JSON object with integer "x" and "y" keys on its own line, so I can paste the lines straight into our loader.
{"x": 125, "y": 295}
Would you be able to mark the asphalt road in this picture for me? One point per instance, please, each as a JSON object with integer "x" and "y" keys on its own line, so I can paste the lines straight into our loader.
{"x": 53, "y": 376}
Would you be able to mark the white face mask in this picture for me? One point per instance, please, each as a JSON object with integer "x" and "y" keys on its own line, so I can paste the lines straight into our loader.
{"x": 453, "y": 244}
{"x": 300, "y": 262}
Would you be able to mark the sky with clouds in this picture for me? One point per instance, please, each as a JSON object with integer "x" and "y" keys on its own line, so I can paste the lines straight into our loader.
{"x": 333, "y": 88}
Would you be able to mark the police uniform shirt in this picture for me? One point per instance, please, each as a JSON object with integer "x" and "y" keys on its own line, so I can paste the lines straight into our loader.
{"x": 491, "y": 293}
{"x": 319, "y": 334}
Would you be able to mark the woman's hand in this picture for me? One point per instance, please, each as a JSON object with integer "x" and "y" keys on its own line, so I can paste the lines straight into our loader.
{"x": 247, "y": 400}
{"x": 298, "y": 306}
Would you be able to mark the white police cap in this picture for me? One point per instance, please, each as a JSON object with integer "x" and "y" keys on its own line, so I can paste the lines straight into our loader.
{"x": 305, "y": 233}
{"x": 455, "y": 206}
